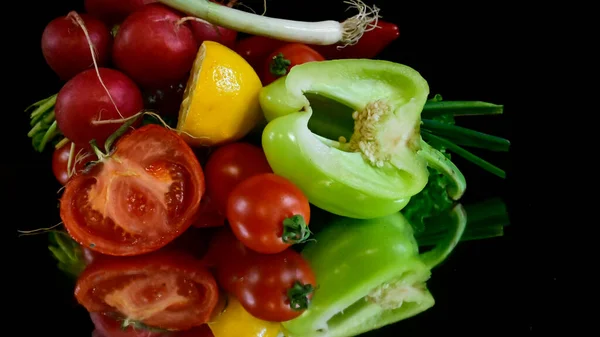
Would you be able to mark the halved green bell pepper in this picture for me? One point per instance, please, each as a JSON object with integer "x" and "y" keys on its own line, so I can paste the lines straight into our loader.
{"x": 362, "y": 155}
{"x": 369, "y": 274}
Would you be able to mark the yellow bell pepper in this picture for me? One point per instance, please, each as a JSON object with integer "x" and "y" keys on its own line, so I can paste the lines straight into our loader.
{"x": 235, "y": 321}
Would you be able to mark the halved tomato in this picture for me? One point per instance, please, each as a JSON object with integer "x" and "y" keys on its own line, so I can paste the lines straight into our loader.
{"x": 107, "y": 326}
{"x": 137, "y": 200}
{"x": 167, "y": 289}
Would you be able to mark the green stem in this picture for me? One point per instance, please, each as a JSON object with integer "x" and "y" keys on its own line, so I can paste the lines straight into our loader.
{"x": 295, "y": 230}
{"x": 466, "y": 137}
{"x": 298, "y": 295}
{"x": 485, "y": 220}
{"x": 443, "y": 248}
{"x": 279, "y": 65}
{"x": 438, "y": 161}
{"x": 435, "y": 108}
{"x": 120, "y": 131}
{"x": 464, "y": 153}
{"x": 48, "y": 136}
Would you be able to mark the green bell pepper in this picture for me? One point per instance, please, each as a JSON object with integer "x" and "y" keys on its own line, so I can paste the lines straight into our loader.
{"x": 369, "y": 274}
{"x": 346, "y": 132}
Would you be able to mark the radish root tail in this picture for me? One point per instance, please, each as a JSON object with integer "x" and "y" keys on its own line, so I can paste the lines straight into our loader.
{"x": 353, "y": 28}
{"x": 38, "y": 230}
{"x": 148, "y": 113}
{"x": 79, "y": 21}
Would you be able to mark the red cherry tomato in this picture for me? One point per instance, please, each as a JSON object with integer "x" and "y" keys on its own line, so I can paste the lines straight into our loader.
{"x": 255, "y": 49}
{"x": 137, "y": 200}
{"x": 60, "y": 161}
{"x": 272, "y": 287}
{"x": 165, "y": 289}
{"x": 228, "y": 166}
{"x": 285, "y": 58}
{"x": 208, "y": 215}
{"x": 268, "y": 213}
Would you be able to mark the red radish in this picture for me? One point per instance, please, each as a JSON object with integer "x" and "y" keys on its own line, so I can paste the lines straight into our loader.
{"x": 114, "y": 11}
{"x": 66, "y": 48}
{"x": 204, "y": 31}
{"x": 83, "y": 101}
{"x": 153, "y": 48}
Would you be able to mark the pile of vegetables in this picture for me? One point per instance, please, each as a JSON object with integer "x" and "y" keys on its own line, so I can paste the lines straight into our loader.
{"x": 230, "y": 174}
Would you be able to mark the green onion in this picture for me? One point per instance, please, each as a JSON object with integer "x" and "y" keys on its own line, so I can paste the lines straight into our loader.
{"x": 429, "y": 137}
{"x": 466, "y": 137}
{"x": 320, "y": 33}
{"x": 434, "y": 108}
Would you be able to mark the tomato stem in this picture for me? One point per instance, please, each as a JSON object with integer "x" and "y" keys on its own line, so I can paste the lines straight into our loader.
{"x": 101, "y": 155}
{"x": 295, "y": 230}
{"x": 137, "y": 325}
{"x": 279, "y": 65}
{"x": 298, "y": 295}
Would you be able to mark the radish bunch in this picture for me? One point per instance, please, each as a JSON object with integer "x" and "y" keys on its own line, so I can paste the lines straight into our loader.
{"x": 115, "y": 54}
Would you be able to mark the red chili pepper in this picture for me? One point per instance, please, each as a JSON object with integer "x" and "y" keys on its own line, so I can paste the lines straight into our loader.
{"x": 370, "y": 44}
{"x": 255, "y": 49}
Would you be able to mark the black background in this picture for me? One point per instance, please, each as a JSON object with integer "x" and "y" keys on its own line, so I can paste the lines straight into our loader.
{"x": 466, "y": 52}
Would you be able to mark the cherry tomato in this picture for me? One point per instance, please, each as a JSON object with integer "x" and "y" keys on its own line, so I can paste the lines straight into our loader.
{"x": 165, "y": 289}
{"x": 272, "y": 287}
{"x": 107, "y": 326}
{"x": 208, "y": 215}
{"x": 60, "y": 161}
{"x": 228, "y": 166}
{"x": 254, "y": 49}
{"x": 268, "y": 213}
{"x": 285, "y": 58}
{"x": 140, "y": 198}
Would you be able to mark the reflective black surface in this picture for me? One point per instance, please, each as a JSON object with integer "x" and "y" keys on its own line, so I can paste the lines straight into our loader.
{"x": 486, "y": 287}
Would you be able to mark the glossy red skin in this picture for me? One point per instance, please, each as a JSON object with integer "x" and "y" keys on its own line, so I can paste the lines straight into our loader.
{"x": 257, "y": 208}
{"x": 107, "y": 326}
{"x": 208, "y": 32}
{"x": 60, "y": 161}
{"x": 255, "y": 49}
{"x": 208, "y": 215}
{"x": 166, "y": 158}
{"x": 369, "y": 46}
{"x": 66, "y": 49}
{"x": 114, "y": 11}
{"x": 296, "y": 53}
{"x": 259, "y": 281}
{"x": 153, "y": 49}
{"x": 228, "y": 166}
{"x": 193, "y": 280}
{"x": 83, "y": 99}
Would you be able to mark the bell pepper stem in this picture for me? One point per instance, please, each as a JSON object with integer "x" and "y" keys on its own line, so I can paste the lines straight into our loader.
{"x": 444, "y": 247}
{"x": 438, "y": 161}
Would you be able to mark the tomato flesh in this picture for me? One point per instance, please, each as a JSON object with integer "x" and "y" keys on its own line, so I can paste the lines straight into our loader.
{"x": 166, "y": 289}
{"x": 139, "y": 199}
